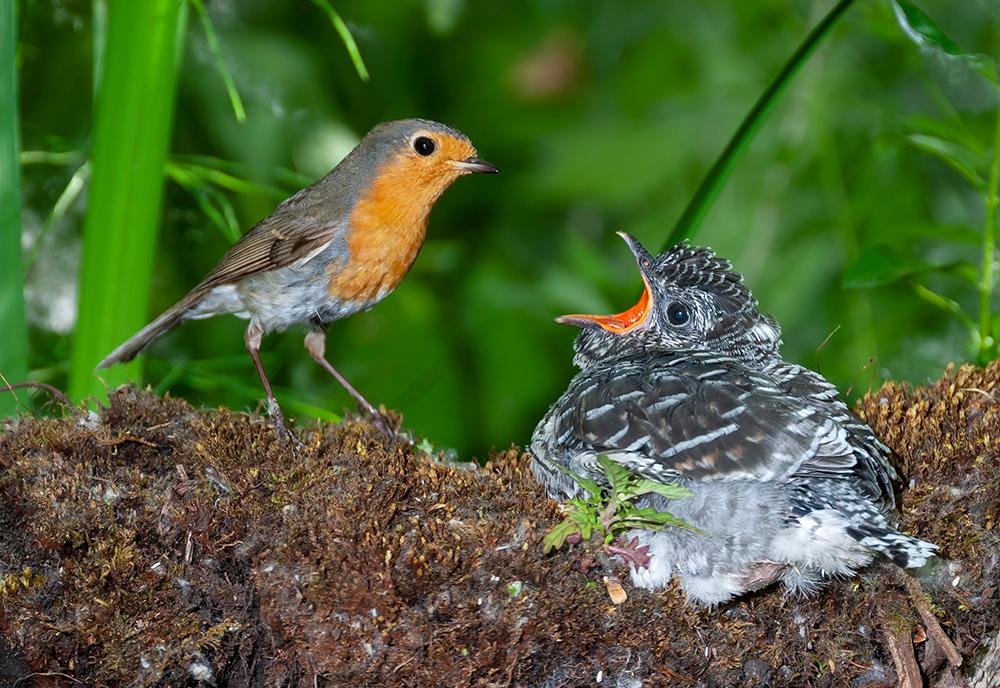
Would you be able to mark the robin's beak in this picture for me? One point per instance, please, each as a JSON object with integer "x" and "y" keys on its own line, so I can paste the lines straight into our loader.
{"x": 475, "y": 165}
{"x": 634, "y": 317}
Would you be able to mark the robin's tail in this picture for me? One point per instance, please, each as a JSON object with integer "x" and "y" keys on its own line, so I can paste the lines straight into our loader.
{"x": 153, "y": 331}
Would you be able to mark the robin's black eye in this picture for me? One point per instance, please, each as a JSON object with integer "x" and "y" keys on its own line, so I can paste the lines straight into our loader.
{"x": 423, "y": 145}
{"x": 677, "y": 313}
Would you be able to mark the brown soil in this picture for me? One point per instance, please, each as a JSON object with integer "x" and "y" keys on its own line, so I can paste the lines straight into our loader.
{"x": 157, "y": 544}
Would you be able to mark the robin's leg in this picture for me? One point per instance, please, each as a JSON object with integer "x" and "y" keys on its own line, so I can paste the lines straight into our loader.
{"x": 253, "y": 335}
{"x": 316, "y": 346}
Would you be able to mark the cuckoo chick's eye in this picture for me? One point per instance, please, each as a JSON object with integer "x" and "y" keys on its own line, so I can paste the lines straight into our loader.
{"x": 423, "y": 145}
{"x": 677, "y": 313}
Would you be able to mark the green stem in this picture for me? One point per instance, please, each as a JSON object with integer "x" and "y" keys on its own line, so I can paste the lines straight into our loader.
{"x": 717, "y": 176}
{"x": 991, "y": 199}
{"x": 14, "y": 345}
{"x": 945, "y": 304}
{"x": 132, "y": 123}
{"x": 220, "y": 62}
{"x": 345, "y": 35}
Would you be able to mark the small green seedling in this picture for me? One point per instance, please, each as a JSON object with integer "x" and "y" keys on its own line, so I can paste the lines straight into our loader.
{"x": 609, "y": 511}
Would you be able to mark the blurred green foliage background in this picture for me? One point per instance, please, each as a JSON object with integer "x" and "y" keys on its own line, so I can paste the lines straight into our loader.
{"x": 602, "y": 116}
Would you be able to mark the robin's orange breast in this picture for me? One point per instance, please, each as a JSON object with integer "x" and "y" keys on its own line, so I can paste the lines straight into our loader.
{"x": 386, "y": 230}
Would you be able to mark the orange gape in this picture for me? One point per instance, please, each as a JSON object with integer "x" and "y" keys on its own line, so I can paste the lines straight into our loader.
{"x": 387, "y": 228}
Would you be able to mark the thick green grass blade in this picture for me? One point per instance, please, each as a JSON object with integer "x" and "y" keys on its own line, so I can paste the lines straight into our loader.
{"x": 718, "y": 175}
{"x": 132, "y": 123}
{"x": 14, "y": 349}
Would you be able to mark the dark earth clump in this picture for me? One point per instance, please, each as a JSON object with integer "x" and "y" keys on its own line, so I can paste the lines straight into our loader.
{"x": 157, "y": 544}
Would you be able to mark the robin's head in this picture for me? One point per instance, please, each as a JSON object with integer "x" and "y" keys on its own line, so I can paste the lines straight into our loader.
{"x": 415, "y": 160}
{"x": 691, "y": 299}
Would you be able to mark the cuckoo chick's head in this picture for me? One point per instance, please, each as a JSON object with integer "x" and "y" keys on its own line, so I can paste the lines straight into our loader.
{"x": 691, "y": 300}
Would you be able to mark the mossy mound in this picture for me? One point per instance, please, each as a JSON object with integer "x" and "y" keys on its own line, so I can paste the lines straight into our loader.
{"x": 156, "y": 544}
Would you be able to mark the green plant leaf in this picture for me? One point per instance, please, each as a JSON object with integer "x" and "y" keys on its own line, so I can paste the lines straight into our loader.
{"x": 961, "y": 159}
{"x": 587, "y": 484}
{"x": 556, "y": 538}
{"x": 618, "y": 476}
{"x": 652, "y": 519}
{"x": 668, "y": 490}
{"x": 586, "y": 521}
{"x": 880, "y": 265}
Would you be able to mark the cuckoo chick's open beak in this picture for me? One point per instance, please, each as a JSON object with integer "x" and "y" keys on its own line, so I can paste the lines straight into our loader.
{"x": 634, "y": 317}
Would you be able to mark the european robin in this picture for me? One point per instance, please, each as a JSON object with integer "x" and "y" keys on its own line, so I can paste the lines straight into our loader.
{"x": 333, "y": 249}
{"x": 783, "y": 482}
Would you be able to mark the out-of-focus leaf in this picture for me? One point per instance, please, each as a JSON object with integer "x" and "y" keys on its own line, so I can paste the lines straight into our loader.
{"x": 203, "y": 379}
{"x": 442, "y": 15}
{"x": 233, "y": 183}
{"x": 951, "y": 129}
{"x": 294, "y": 180}
{"x": 959, "y": 158}
{"x": 213, "y": 204}
{"x": 77, "y": 183}
{"x": 962, "y": 269}
{"x": 969, "y": 80}
{"x": 881, "y": 265}
{"x": 921, "y": 29}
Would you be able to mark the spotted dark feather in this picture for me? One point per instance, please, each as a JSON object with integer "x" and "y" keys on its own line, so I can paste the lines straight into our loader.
{"x": 701, "y": 416}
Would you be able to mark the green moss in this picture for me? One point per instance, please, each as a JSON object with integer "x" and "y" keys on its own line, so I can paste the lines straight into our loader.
{"x": 162, "y": 540}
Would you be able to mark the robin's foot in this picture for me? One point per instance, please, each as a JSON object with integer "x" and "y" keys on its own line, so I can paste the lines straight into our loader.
{"x": 285, "y": 436}
{"x": 389, "y": 424}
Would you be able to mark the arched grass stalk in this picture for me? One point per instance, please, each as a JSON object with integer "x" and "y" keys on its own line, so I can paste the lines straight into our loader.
{"x": 718, "y": 175}
{"x": 14, "y": 349}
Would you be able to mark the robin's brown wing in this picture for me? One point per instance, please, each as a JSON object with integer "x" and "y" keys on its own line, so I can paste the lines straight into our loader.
{"x": 294, "y": 231}
{"x": 700, "y": 416}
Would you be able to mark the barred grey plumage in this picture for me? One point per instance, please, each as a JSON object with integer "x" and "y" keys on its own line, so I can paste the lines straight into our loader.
{"x": 689, "y": 386}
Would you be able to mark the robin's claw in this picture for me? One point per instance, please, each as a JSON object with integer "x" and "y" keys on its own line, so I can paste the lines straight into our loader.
{"x": 281, "y": 430}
